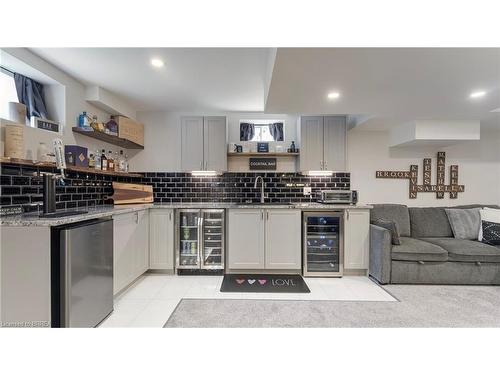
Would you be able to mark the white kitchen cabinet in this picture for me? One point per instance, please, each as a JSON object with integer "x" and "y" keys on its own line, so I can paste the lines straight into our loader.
{"x": 283, "y": 239}
{"x": 203, "y": 143}
{"x": 357, "y": 239}
{"x": 142, "y": 243}
{"x": 161, "y": 239}
{"x": 311, "y": 143}
{"x": 245, "y": 241}
{"x": 322, "y": 143}
{"x": 123, "y": 253}
{"x": 130, "y": 247}
{"x": 264, "y": 239}
{"x": 192, "y": 143}
{"x": 215, "y": 143}
{"x": 334, "y": 144}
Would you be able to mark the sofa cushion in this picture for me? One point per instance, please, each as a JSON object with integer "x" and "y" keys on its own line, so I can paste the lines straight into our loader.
{"x": 414, "y": 249}
{"x": 391, "y": 226}
{"x": 467, "y": 250}
{"x": 395, "y": 212}
{"x": 464, "y": 222}
{"x": 429, "y": 222}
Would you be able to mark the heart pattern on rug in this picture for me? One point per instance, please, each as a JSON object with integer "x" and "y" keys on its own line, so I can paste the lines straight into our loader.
{"x": 240, "y": 281}
{"x": 262, "y": 282}
{"x": 251, "y": 281}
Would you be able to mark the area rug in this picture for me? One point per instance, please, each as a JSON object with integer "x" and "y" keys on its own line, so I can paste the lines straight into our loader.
{"x": 418, "y": 306}
{"x": 264, "y": 284}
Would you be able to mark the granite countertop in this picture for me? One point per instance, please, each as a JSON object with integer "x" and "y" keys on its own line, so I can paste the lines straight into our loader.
{"x": 32, "y": 219}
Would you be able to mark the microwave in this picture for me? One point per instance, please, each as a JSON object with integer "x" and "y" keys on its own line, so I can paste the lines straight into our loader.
{"x": 337, "y": 196}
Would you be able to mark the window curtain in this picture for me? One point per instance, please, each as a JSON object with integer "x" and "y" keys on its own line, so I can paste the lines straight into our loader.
{"x": 30, "y": 93}
{"x": 276, "y": 131}
{"x": 247, "y": 131}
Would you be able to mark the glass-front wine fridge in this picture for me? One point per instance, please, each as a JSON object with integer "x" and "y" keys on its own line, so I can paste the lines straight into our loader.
{"x": 323, "y": 246}
{"x": 200, "y": 239}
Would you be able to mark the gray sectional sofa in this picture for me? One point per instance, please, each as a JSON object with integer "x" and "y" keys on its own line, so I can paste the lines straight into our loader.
{"x": 428, "y": 253}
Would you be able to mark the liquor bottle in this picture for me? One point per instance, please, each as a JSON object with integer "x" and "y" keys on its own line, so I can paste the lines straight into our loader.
{"x": 91, "y": 161}
{"x": 122, "y": 162}
{"x": 97, "y": 161}
{"x": 117, "y": 161}
{"x": 111, "y": 162}
{"x": 104, "y": 161}
{"x": 126, "y": 164}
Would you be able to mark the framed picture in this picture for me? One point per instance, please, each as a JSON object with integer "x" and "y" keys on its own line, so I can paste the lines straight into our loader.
{"x": 262, "y": 147}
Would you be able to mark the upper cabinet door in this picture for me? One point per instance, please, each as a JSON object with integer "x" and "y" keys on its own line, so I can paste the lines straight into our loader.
{"x": 335, "y": 139}
{"x": 192, "y": 143}
{"x": 311, "y": 143}
{"x": 215, "y": 149}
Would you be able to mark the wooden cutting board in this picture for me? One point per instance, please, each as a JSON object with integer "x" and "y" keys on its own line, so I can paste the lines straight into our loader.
{"x": 131, "y": 193}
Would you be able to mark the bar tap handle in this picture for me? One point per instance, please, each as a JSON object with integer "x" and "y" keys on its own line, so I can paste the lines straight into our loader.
{"x": 59, "y": 154}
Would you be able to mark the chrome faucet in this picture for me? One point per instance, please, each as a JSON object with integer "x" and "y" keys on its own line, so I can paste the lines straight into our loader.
{"x": 262, "y": 186}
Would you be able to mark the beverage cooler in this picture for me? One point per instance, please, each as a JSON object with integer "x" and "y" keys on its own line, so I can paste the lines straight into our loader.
{"x": 200, "y": 239}
{"x": 323, "y": 244}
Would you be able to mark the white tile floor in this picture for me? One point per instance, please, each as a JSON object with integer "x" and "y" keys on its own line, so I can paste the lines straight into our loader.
{"x": 150, "y": 301}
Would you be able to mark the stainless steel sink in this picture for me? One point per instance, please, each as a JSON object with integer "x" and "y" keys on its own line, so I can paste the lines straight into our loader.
{"x": 55, "y": 215}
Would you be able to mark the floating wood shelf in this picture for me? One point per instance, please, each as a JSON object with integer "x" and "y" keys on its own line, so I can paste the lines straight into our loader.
{"x": 113, "y": 139}
{"x": 4, "y": 160}
{"x": 243, "y": 154}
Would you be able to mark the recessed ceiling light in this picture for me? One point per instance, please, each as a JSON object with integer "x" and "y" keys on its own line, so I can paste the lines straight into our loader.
{"x": 333, "y": 95}
{"x": 157, "y": 63}
{"x": 477, "y": 94}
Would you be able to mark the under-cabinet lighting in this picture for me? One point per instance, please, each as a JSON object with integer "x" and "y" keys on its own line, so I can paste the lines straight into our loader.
{"x": 333, "y": 95}
{"x": 205, "y": 173}
{"x": 319, "y": 173}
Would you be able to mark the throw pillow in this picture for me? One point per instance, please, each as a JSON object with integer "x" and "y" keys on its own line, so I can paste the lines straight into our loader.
{"x": 390, "y": 225}
{"x": 465, "y": 223}
{"x": 491, "y": 233}
{"x": 488, "y": 214}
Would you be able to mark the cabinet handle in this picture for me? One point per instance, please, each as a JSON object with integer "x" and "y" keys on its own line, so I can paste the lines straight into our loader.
{"x": 267, "y": 215}
{"x": 261, "y": 215}
{"x": 201, "y": 165}
{"x": 137, "y": 217}
{"x": 170, "y": 216}
{"x": 347, "y": 212}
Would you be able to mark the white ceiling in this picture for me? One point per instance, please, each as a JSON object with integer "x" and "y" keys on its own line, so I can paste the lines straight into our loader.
{"x": 383, "y": 87}
{"x": 211, "y": 79}
{"x": 387, "y": 84}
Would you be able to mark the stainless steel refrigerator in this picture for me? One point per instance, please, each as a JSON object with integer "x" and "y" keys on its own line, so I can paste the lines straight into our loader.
{"x": 323, "y": 246}
{"x": 200, "y": 239}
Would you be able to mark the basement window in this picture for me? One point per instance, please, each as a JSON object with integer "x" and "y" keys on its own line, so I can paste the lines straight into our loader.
{"x": 262, "y": 130}
{"x": 8, "y": 92}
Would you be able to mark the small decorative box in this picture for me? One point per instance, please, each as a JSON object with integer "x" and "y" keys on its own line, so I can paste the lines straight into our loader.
{"x": 79, "y": 155}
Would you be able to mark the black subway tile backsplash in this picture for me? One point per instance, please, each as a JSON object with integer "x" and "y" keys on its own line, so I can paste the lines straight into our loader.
{"x": 238, "y": 187}
{"x": 21, "y": 185}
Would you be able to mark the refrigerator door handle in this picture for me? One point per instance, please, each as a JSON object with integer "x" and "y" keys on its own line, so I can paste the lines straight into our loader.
{"x": 200, "y": 241}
